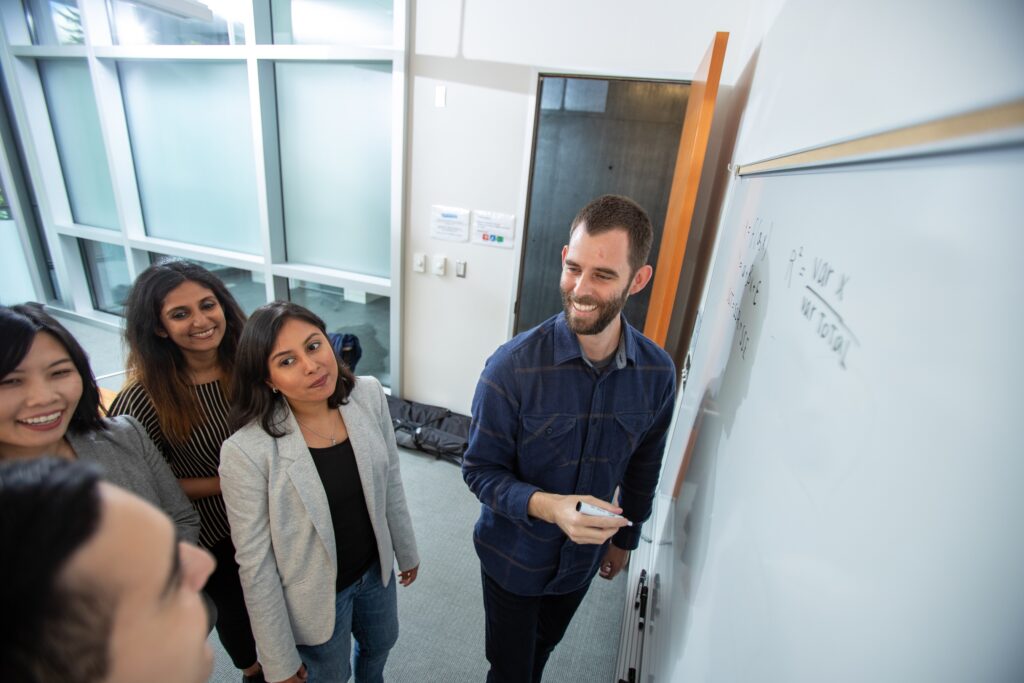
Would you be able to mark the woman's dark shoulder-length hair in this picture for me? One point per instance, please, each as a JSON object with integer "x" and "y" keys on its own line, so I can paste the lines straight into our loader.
{"x": 155, "y": 361}
{"x": 254, "y": 399}
{"x": 19, "y": 326}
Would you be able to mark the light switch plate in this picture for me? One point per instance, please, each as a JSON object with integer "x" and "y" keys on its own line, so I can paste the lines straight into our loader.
{"x": 438, "y": 264}
{"x": 419, "y": 263}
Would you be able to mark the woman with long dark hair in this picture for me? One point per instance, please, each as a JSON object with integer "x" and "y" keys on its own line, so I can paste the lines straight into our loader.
{"x": 314, "y": 494}
{"x": 50, "y": 405}
{"x": 182, "y": 328}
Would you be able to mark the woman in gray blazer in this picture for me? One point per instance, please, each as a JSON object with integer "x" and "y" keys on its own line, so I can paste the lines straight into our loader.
{"x": 50, "y": 405}
{"x": 315, "y": 501}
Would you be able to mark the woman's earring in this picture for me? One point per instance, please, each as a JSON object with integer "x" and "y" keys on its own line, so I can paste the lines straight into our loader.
{"x": 274, "y": 389}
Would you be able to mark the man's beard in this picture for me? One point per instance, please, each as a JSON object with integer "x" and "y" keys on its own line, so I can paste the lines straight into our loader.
{"x": 607, "y": 311}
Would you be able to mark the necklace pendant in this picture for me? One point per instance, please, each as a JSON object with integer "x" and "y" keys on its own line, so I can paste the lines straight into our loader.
{"x": 333, "y": 441}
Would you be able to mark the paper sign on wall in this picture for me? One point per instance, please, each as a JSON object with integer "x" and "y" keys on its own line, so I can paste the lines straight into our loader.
{"x": 494, "y": 229}
{"x": 449, "y": 223}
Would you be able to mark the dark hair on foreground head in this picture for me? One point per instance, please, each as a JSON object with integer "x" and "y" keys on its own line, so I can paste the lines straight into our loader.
{"x": 156, "y": 362}
{"x": 19, "y": 326}
{"x": 53, "y": 628}
{"x": 254, "y": 398}
{"x": 611, "y": 212}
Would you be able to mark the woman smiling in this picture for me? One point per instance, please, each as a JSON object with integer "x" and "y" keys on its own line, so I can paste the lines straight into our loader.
{"x": 182, "y": 329}
{"x": 49, "y": 405}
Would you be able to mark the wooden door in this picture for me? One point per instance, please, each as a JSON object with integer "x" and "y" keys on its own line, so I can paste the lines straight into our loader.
{"x": 693, "y": 145}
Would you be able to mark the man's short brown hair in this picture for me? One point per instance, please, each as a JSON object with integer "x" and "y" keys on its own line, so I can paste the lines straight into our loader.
{"x": 614, "y": 212}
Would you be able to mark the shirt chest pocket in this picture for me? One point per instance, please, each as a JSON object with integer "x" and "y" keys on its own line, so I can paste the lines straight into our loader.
{"x": 631, "y": 427}
{"x": 548, "y": 440}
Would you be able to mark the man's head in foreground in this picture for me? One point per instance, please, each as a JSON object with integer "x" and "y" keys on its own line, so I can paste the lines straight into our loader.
{"x": 94, "y": 585}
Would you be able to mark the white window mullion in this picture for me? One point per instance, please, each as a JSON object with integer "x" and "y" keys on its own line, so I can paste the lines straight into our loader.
{"x": 28, "y": 107}
{"x": 262, "y": 99}
{"x": 400, "y": 93}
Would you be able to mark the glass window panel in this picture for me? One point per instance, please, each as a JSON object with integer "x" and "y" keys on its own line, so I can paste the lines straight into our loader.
{"x": 246, "y": 286}
{"x": 335, "y": 139}
{"x": 5, "y": 207}
{"x": 55, "y": 22}
{"x": 132, "y": 23}
{"x": 107, "y": 271}
{"x": 347, "y": 311}
{"x": 192, "y": 143}
{"x": 552, "y": 92}
{"x": 15, "y": 279}
{"x": 319, "y": 22}
{"x": 585, "y": 94}
{"x": 76, "y": 129}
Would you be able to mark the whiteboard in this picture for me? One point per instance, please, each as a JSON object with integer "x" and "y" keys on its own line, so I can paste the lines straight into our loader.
{"x": 852, "y": 506}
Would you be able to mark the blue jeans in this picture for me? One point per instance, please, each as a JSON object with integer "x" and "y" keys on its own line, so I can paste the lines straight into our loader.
{"x": 368, "y": 611}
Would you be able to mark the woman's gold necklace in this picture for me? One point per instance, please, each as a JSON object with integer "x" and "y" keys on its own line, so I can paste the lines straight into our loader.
{"x": 316, "y": 433}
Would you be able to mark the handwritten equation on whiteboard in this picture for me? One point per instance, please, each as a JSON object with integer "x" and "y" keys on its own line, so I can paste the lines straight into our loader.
{"x": 824, "y": 287}
{"x": 755, "y": 249}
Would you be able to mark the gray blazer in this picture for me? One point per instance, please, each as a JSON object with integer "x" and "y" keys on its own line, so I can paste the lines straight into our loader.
{"x": 130, "y": 459}
{"x": 281, "y": 523}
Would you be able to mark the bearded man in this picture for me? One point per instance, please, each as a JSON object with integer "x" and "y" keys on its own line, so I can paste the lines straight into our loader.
{"x": 573, "y": 411}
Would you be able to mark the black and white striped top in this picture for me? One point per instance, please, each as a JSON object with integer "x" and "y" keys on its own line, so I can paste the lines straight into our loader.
{"x": 197, "y": 457}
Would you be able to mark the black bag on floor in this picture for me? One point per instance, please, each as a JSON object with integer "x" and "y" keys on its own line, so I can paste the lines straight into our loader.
{"x": 430, "y": 429}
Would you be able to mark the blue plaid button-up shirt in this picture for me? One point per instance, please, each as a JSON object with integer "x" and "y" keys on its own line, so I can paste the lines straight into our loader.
{"x": 545, "y": 420}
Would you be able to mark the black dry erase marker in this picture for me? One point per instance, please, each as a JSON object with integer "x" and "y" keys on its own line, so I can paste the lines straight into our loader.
{"x": 643, "y": 608}
{"x": 639, "y": 586}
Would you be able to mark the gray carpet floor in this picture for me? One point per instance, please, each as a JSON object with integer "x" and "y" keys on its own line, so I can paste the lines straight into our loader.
{"x": 441, "y": 615}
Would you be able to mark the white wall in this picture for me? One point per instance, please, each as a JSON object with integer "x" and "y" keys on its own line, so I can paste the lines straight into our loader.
{"x": 475, "y": 152}
{"x": 889, "y": 73}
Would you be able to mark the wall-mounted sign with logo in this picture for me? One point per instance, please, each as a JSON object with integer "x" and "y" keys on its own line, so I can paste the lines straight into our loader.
{"x": 449, "y": 223}
{"x": 494, "y": 229}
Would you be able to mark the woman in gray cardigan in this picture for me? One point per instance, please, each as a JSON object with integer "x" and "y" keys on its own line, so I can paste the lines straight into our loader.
{"x": 315, "y": 501}
{"x": 49, "y": 405}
